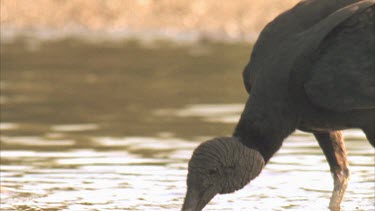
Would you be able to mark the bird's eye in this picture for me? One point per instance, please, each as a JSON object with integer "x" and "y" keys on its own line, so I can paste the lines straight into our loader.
{"x": 212, "y": 171}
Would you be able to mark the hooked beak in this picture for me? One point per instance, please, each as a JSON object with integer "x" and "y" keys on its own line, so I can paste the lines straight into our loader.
{"x": 196, "y": 199}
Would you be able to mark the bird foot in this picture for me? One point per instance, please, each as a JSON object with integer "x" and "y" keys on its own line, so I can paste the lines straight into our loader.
{"x": 335, "y": 208}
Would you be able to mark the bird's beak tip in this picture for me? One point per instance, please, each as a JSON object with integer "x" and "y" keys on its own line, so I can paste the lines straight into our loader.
{"x": 191, "y": 202}
{"x": 196, "y": 199}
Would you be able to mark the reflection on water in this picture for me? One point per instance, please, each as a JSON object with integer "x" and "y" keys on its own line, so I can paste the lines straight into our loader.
{"x": 228, "y": 113}
{"x": 91, "y": 127}
{"x": 148, "y": 173}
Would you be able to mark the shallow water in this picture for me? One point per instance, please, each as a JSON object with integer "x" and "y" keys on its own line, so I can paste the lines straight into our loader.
{"x": 103, "y": 126}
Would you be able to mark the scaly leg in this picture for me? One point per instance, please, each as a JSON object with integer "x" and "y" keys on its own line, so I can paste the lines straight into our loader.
{"x": 332, "y": 144}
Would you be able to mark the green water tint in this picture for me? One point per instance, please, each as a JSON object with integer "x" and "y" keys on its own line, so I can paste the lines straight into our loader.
{"x": 111, "y": 126}
{"x": 117, "y": 85}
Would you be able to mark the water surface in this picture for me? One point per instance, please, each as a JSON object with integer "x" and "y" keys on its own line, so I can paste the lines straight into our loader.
{"x": 111, "y": 126}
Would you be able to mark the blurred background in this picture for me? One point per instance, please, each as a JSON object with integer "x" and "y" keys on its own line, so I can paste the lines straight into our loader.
{"x": 182, "y": 19}
{"x": 103, "y": 101}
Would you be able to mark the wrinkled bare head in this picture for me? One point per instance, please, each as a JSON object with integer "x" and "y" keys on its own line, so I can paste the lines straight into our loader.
{"x": 221, "y": 165}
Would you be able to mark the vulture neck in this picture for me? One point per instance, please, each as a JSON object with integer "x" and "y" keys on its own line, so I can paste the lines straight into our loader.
{"x": 265, "y": 127}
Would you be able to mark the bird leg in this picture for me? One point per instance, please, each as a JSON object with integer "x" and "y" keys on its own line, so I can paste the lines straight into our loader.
{"x": 332, "y": 144}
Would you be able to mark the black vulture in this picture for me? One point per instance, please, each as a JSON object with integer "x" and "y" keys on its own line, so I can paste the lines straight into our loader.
{"x": 312, "y": 68}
